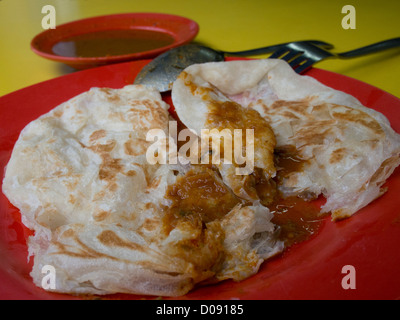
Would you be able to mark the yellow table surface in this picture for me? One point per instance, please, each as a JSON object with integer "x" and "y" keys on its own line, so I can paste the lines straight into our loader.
{"x": 224, "y": 24}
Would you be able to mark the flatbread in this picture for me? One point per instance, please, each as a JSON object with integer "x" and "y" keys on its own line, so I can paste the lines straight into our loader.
{"x": 346, "y": 150}
{"x": 201, "y": 106}
{"x": 101, "y": 212}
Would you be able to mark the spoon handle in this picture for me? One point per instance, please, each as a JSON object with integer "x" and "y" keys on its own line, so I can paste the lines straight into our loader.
{"x": 273, "y": 48}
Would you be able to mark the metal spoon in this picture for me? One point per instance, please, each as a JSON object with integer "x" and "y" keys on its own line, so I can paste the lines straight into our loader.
{"x": 162, "y": 71}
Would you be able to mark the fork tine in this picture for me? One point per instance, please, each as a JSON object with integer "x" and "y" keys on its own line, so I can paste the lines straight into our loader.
{"x": 279, "y": 53}
{"x": 292, "y": 54}
{"x": 297, "y": 61}
{"x": 285, "y": 54}
{"x": 304, "y": 67}
{"x": 301, "y": 55}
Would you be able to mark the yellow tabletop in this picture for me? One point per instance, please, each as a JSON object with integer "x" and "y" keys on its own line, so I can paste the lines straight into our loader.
{"x": 224, "y": 24}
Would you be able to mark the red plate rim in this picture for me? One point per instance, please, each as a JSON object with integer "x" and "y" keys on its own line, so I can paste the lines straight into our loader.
{"x": 311, "y": 270}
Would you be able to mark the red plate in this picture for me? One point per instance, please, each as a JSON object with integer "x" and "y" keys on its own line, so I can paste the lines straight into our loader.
{"x": 181, "y": 29}
{"x": 311, "y": 270}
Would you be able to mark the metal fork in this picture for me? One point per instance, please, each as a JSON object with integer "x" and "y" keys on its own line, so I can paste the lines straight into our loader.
{"x": 302, "y": 55}
{"x": 162, "y": 71}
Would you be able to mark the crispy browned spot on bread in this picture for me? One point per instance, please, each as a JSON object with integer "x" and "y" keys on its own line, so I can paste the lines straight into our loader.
{"x": 111, "y": 239}
{"x": 98, "y": 134}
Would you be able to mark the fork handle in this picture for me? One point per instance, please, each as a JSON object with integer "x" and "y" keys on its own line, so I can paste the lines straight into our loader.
{"x": 274, "y": 48}
{"x": 372, "y": 48}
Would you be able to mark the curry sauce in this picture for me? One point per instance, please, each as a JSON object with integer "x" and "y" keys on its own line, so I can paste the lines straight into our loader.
{"x": 199, "y": 195}
{"x": 288, "y": 161}
{"x": 198, "y": 200}
{"x": 111, "y": 43}
{"x": 297, "y": 219}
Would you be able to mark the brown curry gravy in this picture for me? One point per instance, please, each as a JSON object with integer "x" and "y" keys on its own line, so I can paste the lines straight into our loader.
{"x": 199, "y": 196}
{"x": 297, "y": 218}
{"x": 111, "y": 43}
{"x": 287, "y": 161}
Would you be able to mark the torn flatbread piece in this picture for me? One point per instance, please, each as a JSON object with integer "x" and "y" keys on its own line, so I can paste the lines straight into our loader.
{"x": 201, "y": 105}
{"x": 346, "y": 150}
{"x": 109, "y": 221}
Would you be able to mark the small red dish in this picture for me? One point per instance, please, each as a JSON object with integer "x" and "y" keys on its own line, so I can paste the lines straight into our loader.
{"x": 164, "y": 30}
